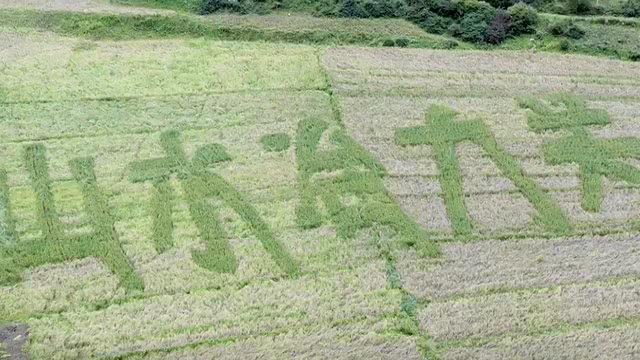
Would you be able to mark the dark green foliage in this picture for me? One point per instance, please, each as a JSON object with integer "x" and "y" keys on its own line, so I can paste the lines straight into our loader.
{"x": 275, "y": 142}
{"x": 473, "y": 27}
{"x": 579, "y": 7}
{"x": 595, "y": 157}
{"x": 7, "y": 225}
{"x": 524, "y": 19}
{"x": 434, "y": 23}
{"x": 442, "y": 133}
{"x": 354, "y": 194}
{"x": 631, "y": 8}
{"x": 566, "y": 28}
{"x": 402, "y": 42}
{"x": 200, "y": 186}
{"x": 480, "y": 8}
{"x": 54, "y": 246}
{"x": 385, "y": 8}
{"x": 499, "y": 29}
{"x": 502, "y": 4}
{"x": 353, "y": 9}
{"x": 565, "y": 45}
{"x": 234, "y": 6}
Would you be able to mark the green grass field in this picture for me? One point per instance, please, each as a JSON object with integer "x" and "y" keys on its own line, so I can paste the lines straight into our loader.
{"x": 182, "y": 196}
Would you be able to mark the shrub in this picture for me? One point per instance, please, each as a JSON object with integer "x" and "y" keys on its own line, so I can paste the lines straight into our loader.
{"x": 474, "y": 27}
{"x": 524, "y": 19}
{"x": 502, "y": 4}
{"x": 465, "y": 7}
{"x": 446, "y": 8}
{"x": 326, "y": 8}
{"x": 212, "y": 6}
{"x": 565, "y": 45}
{"x": 499, "y": 29}
{"x": 450, "y": 44}
{"x": 434, "y": 23}
{"x": 352, "y": 9}
{"x": 566, "y": 28}
{"x": 236, "y": 6}
{"x": 387, "y": 8}
{"x": 579, "y": 7}
{"x": 631, "y": 8}
{"x": 388, "y": 43}
{"x": 402, "y": 42}
{"x": 455, "y": 29}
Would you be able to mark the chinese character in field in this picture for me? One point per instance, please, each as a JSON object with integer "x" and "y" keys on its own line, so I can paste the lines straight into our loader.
{"x": 443, "y": 134}
{"x": 596, "y": 158}
{"x": 348, "y": 181}
{"x": 54, "y": 246}
{"x": 201, "y": 185}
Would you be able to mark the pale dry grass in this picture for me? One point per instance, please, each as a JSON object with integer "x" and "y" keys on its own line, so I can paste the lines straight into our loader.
{"x": 518, "y": 264}
{"x": 428, "y": 211}
{"x": 493, "y": 212}
{"x": 97, "y": 6}
{"x": 350, "y": 342}
{"x": 527, "y": 312}
{"x": 587, "y": 344}
{"x": 304, "y": 304}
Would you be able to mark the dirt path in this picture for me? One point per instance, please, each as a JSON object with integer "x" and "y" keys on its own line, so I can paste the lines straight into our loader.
{"x": 102, "y": 6}
{"x": 12, "y": 338}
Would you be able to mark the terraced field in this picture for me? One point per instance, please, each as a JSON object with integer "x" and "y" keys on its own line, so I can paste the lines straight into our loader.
{"x": 179, "y": 199}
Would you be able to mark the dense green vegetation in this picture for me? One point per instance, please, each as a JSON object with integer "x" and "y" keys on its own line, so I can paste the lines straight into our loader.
{"x": 597, "y": 158}
{"x": 297, "y": 29}
{"x": 444, "y": 134}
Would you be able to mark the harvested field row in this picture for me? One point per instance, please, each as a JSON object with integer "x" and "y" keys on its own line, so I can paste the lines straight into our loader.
{"x": 468, "y": 268}
{"x": 530, "y": 312}
{"x": 394, "y": 60}
{"x": 94, "y": 118}
{"x": 307, "y": 305}
{"x": 72, "y": 69}
{"x": 326, "y": 344}
{"x": 619, "y": 343}
{"x": 98, "y": 6}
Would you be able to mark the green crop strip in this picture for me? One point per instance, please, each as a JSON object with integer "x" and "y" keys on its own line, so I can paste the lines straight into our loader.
{"x": 348, "y": 180}
{"x": 275, "y": 142}
{"x": 201, "y": 185}
{"x": 53, "y": 246}
{"x": 7, "y": 226}
{"x": 596, "y": 158}
{"x": 442, "y": 133}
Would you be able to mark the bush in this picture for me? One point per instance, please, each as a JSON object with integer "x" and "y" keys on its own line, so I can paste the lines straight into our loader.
{"x": 565, "y": 45}
{"x": 352, "y": 9}
{"x": 465, "y": 7}
{"x": 445, "y": 8}
{"x": 631, "y": 8}
{"x": 235, "y": 6}
{"x": 499, "y": 29}
{"x": 579, "y": 7}
{"x": 474, "y": 27}
{"x": 566, "y": 28}
{"x": 434, "y": 23}
{"x": 502, "y": 4}
{"x": 524, "y": 19}
{"x": 212, "y": 6}
{"x": 326, "y": 8}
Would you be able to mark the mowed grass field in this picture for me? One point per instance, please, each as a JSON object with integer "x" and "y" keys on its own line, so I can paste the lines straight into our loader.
{"x": 199, "y": 199}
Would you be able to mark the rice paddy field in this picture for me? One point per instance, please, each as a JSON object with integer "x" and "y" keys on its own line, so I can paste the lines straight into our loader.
{"x": 202, "y": 199}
